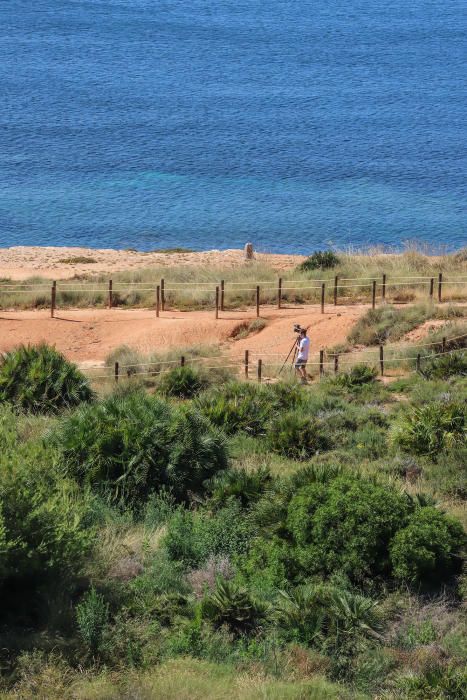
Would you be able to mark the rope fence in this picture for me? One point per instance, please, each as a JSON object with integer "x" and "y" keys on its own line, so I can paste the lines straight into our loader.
{"x": 245, "y": 365}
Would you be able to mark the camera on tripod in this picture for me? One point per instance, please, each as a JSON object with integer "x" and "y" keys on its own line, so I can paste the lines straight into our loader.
{"x": 297, "y": 328}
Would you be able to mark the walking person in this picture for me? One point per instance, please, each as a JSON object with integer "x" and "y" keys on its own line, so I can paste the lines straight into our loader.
{"x": 303, "y": 343}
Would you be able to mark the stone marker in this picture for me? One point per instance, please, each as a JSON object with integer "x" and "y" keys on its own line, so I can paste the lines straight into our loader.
{"x": 248, "y": 251}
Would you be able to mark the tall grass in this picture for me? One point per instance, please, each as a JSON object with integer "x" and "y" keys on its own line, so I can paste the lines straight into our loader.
{"x": 136, "y": 288}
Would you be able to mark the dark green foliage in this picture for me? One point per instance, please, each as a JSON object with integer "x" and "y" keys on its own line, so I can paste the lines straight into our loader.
{"x": 448, "y": 365}
{"x": 40, "y": 380}
{"x": 132, "y": 444}
{"x": 297, "y": 435}
{"x": 197, "y": 452}
{"x": 346, "y": 526}
{"x": 428, "y": 548}
{"x": 233, "y": 607}
{"x": 192, "y": 537}
{"x": 246, "y": 486}
{"x": 327, "y": 614}
{"x": 320, "y": 260}
{"x": 92, "y": 615}
{"x": 182, "y": 382}
{"x": 357, "y": 376}
{"x": 431, "y": 428}
{"x": 238, "y": 406}
{"x": 44, "y": 530}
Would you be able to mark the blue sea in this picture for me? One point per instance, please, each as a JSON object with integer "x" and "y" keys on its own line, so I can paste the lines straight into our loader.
{"x": 295, "y": 124}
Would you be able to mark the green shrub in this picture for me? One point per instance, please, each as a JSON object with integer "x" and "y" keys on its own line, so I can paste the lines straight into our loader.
{"x": 132, "y": 444}
{"x": 346, "y": 526}
{"x": 193, "y": 537}
{"x": 431, "y": 428}
{"x": 182, "y": 382}
{"x": 357, "y": 376}
{"x": 297, "y": 435}
{"x": 233, "y": 607}
{"x": 236, "y": 407}
{"x": 428, "y": 548}
{"x": 445, "y": 366}
{"x": 197, "y": 452}
{"x": 92, "y": 615}
{"x": 246, "y": 486}
{"x": 320, "y": 260}
{"x": 40, "y": 380}
{"x": 44, "y": 536}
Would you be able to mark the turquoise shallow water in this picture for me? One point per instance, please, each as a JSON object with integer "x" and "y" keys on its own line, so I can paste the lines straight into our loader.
{"x": 293, "y": 124}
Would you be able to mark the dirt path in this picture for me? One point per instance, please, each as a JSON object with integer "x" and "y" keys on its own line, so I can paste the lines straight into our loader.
{"x": 86, "y": 335}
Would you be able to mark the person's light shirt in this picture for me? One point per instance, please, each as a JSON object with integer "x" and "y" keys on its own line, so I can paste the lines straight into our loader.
{"x": 303, "y": 349}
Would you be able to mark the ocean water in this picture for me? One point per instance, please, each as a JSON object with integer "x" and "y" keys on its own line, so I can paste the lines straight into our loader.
{"x": 295, "y": 124}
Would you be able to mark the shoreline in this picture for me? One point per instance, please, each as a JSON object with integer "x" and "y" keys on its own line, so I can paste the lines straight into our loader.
{"x": 56, "y": 262}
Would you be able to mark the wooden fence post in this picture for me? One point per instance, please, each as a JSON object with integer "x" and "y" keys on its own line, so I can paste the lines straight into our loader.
{"x": 257, "y": 301}
{"x": 336, "y": 364}
{"x": 383, "y": 289}
{"x": 279, "y": 293}
{"x": 247, "y": 359}
{"x": 53, "y": 299}
{"x": 432, "y": 286}
{"x": 116, "y": 372}
{"x": 163, "y": 294}
{"x": 110, "y": 294}
{"x": 336, "y": 279}
{"x": 443, "y": 344}
{"x": 419, "y": 357}
{"x": 381, "y": 359}
{"x": 373, "y": 294}
{"x": 440, "y": 285}
{"x": 222, "y": 294}
{"x": 182, "y": 361}
{"x": 321, "y": 363}
{"x": 217, "y": 302}
{"x": 323, "y": 291}
{"x": 260, "y": 370}
{"x": 158, "y": 300}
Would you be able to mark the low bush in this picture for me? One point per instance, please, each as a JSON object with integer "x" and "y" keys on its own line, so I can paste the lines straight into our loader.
{"x": 131, "y": 444}
{"x": 182, "y": 382}
{"x": 320, "y": 260}
{"x": 193, "y": 537}
{"x": 238, "y": 406}
{"x": 297, "y": 435}
{"x": 92, "y": 615}
{"x": 357, "y": 376}
{"x": 431, "y": 428}
{"x": 241, "y": 484}
{"x": 428, "y": 548}
{"x": 448, "y": 365}
{"x": 346, "y": 525}
{"x": 40, "y": 380}
{"x": 45, "y": 537}
{"x": 231, "y": 606}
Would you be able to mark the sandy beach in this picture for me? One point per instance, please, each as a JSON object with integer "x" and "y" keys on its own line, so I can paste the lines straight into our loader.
{"x": 22, "y": 262}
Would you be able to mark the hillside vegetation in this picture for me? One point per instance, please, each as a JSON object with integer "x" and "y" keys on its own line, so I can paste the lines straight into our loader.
{"x": 233, "y": 540}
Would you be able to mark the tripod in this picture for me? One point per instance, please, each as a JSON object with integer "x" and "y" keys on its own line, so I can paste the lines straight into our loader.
{"x": 293, "y": 350}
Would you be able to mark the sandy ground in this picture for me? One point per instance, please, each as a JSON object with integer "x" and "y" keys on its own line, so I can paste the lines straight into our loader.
{"x": 22, "y": 262}
{"x": 89, "y": 335}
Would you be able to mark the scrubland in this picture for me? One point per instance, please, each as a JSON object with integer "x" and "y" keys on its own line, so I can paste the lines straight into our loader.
{"x": 192, "y": 536}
